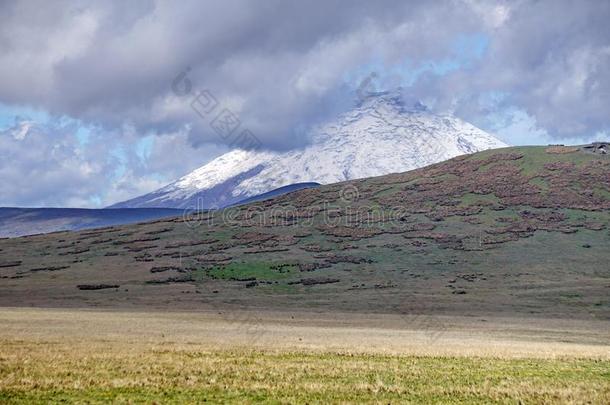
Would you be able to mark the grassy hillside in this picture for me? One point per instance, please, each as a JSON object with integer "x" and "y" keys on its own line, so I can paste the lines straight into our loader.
{"x": 513, "y": 231}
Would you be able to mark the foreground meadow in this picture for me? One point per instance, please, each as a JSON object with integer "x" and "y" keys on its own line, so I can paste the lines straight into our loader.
{"x": 44, "y": 373}
{"x": 89, "y": 356}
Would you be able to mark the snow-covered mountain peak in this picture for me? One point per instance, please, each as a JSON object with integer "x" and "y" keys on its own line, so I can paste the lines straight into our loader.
{"x": 381, "y": 135}
{"x": 395, "y": 99}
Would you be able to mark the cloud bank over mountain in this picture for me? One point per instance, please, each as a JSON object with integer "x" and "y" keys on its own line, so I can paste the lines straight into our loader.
{"x": 107, "y": 68}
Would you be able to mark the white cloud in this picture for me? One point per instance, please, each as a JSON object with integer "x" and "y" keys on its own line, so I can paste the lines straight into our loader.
{"x": 20, "y": 131}
{"x": 46, "y": 165}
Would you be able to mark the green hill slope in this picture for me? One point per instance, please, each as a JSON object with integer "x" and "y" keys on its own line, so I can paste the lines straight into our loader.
{"x": 517, "y": 231}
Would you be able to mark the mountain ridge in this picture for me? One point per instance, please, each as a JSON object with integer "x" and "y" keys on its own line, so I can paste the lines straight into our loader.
{"x": 16, "y": 222}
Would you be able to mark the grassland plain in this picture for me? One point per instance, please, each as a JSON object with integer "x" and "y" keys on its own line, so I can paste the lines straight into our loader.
{"x": 76, "y": 356}
{"x": 46, "y": 373}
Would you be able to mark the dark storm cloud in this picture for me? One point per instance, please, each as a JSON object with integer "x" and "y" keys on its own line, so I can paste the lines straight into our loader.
{"x": 278, "y": 65}
{"x": 282, "y": 65}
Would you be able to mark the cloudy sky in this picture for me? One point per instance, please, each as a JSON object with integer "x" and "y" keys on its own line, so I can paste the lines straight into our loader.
{"x": 95, "y": 96}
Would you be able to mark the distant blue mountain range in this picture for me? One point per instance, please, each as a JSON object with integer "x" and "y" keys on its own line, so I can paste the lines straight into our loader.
{"x": 278, "y": 191}
{"x": 29, "y": 221}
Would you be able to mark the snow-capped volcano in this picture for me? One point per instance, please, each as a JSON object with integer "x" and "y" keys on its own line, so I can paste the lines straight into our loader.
{"x": 380, "y": 136}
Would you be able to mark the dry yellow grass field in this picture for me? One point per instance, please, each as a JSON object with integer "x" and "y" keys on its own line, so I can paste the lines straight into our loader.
{"x": 49, "y": 355}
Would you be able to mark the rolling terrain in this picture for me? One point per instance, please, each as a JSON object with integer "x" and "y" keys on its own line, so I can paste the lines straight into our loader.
{"x": 514, "y": 231}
